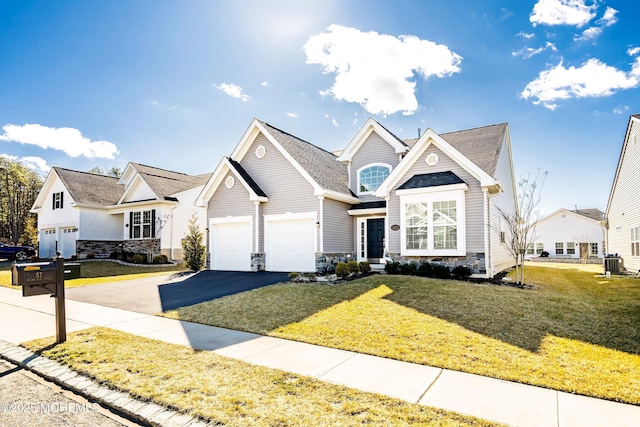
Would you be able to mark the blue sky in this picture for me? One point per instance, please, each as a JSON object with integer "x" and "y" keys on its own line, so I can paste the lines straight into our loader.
{"x": 174, "y": 84}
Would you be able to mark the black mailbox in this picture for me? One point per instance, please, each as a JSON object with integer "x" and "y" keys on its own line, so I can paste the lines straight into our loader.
{"x": 36, "y": 279}
{"x": 44, "y": 278}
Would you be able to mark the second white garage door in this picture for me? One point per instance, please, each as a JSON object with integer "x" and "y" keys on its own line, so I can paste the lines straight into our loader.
{"x": 290, "y": 245}
{"x": 231, "y": 246}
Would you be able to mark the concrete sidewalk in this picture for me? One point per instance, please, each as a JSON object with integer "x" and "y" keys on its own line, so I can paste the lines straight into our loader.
{"x": 487, "y": 398}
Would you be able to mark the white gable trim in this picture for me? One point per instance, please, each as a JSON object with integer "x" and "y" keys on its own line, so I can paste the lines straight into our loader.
{"x": 365, "y": 131}
{"x": 218, "y": 176}
{"x": 425, "y": 141}
{"x": 43, "y": 194}
{"x": 252, "y": 133}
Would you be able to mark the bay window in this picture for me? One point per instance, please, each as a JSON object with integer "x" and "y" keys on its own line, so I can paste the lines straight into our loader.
{"x": 433, "y": 223}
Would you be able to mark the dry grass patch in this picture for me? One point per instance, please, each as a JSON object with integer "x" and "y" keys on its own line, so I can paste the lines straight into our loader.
{"x": 575, "y": 332}
{"x": 226, "y": 391}
{"x": 99, "y": 272}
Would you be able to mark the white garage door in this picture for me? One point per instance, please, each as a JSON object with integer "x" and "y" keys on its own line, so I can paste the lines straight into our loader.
{"x": 47, "y": 245}
{"x": 290, "y": 245}
{"x": 68, "y": 237}
{"x": 231, "y": 246}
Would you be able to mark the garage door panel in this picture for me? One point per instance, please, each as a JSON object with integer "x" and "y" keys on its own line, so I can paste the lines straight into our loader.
{"x": 291, "y": 245}
{"x": 231, "y": 246}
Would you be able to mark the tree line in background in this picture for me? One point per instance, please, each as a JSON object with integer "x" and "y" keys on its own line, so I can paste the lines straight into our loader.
{"x": 19, "y": 187}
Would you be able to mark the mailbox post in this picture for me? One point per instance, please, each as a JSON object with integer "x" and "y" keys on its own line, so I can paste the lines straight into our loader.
{"x": 40, "y": 279}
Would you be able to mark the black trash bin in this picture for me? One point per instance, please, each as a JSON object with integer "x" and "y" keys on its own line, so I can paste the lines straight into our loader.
{"x": 72, "y": 270}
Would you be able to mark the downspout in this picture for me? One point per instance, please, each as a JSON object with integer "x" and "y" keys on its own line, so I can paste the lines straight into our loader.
{"x": 488, "y": 259}
{"x": 320, "y": 226}
{"x": 171, "y": 253}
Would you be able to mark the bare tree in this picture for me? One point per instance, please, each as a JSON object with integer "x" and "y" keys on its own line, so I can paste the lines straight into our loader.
{"x": 150, "y": 242}
{"x": 521, "y": 224}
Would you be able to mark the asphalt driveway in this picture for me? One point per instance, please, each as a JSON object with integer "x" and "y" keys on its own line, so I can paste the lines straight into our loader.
{"x": 161, "y": 293}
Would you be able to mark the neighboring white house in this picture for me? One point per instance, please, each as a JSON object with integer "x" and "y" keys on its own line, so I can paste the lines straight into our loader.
{"x": 81, "y": 213}
{"x": 623, "y": 208}
{"x": 569, "y": 234}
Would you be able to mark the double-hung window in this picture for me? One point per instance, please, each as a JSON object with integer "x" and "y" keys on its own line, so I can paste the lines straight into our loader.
{"x": 571, "y": 248}
{"x": 559, "y": 248}
{"x": 433, "y": 223}
{"x": 142, "y": 224}
{"x": 635, "y": 241}
{"x": 58, "y": 200}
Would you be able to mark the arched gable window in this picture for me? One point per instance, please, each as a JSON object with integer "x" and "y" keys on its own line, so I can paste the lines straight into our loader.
{"x": 371, "y": 176}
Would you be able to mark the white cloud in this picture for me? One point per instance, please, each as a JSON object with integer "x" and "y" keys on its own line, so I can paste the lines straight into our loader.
{"x": 525, "y": 35}
{"x": 233, "y": 91}
{"x": 562, "y": 12}
{"x": 374, "y": 69}
{"x": 621, "y": 110}
{"x": 607, "y": 20}
{"x": 592, "y": 79}
{"x": 632, "y": 51}
{"x": 36, "y": 163}
{"x": 334, "y": 122}
{"x": 264, "y": 83}
{"x": 528, "y": 52}
{"x": 68, "y": 140}
{"x": 293, "y": 115}
{"x": 32, "y": 162}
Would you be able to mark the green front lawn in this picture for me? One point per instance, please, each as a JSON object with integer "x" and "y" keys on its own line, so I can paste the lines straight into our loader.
{"x": 576, "y": 331}
{"x": 97, "y": 272}
{"x": 230, "y": 392}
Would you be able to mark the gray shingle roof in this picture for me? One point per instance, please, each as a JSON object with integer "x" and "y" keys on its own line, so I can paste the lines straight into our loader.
{"x": 431, "y": 180}
{"x": 593, "y": 213}
{"x": 320, "y": 164}
{"x": 90, "y": 188}
{"x": 166, "y": 183}
{"x": 480, "y": 145}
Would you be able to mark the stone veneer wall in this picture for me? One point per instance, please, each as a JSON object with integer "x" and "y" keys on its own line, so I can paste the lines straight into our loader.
{"x": 140, "y": 246}
{"x": 99, "y": 248}
{"x": 474, "y": 261}
{"x": 326, "y": 262}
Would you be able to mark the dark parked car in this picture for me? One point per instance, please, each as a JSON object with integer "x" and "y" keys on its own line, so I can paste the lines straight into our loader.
{"x": 18, "y": 253}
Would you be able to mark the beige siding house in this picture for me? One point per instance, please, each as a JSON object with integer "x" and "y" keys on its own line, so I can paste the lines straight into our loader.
{"x": 623, "y": 208}
{"x": 279, "y": 203}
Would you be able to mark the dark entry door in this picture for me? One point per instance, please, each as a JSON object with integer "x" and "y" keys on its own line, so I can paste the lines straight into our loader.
{"x": 375, "y": 238}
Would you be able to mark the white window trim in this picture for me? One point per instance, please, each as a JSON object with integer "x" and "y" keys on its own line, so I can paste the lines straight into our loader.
{"x": 429, "y": 198}
{"x": 365, "y": 167}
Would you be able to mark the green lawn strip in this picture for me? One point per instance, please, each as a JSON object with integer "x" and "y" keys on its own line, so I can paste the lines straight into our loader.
{"x": 574, "y": 332}
{"x": 227, "y": 391}
{"x": 98, "y": 272}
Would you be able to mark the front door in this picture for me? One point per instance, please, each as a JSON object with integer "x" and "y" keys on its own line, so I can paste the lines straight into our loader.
{"x": 375, "y": 238}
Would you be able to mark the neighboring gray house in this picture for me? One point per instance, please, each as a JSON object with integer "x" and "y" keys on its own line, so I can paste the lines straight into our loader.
{"x": 81, "y": 213}
{"x": 623, "y": 208}
{"x": 279, "y": 203}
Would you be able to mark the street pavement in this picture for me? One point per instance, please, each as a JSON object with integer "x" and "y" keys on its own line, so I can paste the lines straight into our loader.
{"x": 491, "y": 399}
{"x": 28, "y": 400}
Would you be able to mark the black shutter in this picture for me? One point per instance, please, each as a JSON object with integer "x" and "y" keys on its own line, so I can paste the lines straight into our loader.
{"x": 153, "y": 223}
{"x": 61, "y": 194}
{"x": 130, "y": 225}
{"x": 53, "y": 199}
